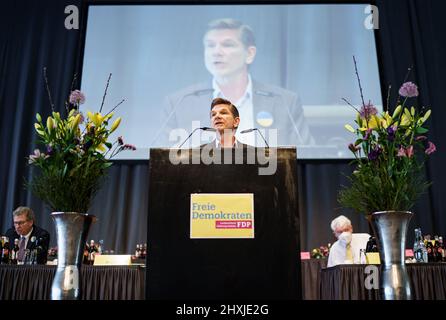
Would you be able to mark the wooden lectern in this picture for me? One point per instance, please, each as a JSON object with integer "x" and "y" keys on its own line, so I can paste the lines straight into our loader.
{"x": 266, "y": 267}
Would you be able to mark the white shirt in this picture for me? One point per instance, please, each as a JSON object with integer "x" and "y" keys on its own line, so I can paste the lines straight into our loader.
{"x": 217, "y": 143}
{"x": 339, "y": 249}
{"x": 245, "y": 109}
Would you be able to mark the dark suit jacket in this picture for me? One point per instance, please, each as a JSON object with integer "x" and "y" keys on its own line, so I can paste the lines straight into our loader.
{"x": 41, "y": 235}
{"x": 238, "y": 154}
{"x": 212, "y": 145}
{"x": 193, "y": 104}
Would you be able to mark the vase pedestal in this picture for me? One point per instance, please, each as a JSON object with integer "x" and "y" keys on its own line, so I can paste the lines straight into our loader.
{"x": 72, "y": 230}
{"x": 390, "y": 228}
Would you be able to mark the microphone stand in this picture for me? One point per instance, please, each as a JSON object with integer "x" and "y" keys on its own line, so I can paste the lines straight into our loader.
{"x": 255, "y": 129}
{"x": 202, "y": 128}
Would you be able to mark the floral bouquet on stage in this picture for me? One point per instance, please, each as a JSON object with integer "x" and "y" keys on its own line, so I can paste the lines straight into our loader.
{"x": 76, "y": 154}
{"x": 390, "y": 151}
{"x": 321, "y": 253}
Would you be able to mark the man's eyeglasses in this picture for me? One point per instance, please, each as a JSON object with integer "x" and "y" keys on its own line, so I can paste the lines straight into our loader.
{"x": 19, "y": 223}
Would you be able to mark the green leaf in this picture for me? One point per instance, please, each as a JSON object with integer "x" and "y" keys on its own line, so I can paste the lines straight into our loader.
{"x": 108, "y": 164}
{"x": 421, "y": 130}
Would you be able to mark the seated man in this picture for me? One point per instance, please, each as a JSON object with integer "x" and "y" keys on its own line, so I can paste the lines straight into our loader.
{"x": 24, "y": 229}
{"x": 347, "y": 248}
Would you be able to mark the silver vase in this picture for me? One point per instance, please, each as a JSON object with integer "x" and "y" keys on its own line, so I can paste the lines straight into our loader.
{"x": 390, "y": 228}
{"x": 72, "y": 230}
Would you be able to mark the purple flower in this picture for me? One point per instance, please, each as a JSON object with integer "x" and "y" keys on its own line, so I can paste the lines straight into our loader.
{"x": 409, "y": 151}
{"x": 391, "y": 133}
{"x": 405, "y": 152}
{"x": 120, "y": 141}
{"x": 77, "y": 97}
{"x": 49, "y": 149}
{"x": 401, "y": 152}
{"x": 128, "y": 147}
{"x": 368, "y": 132}
{"x": 367, "y": 111}
{"x": 353, "y": 148}
{"x": 36, "y": 155}
{"x": 420, "y": 138}
{"x": 431, "y": 148}
{"x": 408, "y": 89}
{"x": 374, "y": 154}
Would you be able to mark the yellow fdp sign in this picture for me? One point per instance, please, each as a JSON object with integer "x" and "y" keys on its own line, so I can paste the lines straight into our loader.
{"x": 221, "y": 215}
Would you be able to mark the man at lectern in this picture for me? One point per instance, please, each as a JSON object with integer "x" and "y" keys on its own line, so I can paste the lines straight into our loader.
{"x": 225, "y": 120}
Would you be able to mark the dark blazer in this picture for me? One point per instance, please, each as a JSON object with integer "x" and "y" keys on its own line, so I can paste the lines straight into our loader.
{"x": 212, "y": 145}
{"x": 193, "y": 104}
{"x": 41, "y": 235}
{"x": 211, "y": 150}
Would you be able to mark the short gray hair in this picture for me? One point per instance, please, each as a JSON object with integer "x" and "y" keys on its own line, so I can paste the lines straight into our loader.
{"x": 24, "y": 210}
{"x": 246, "y": 33}
{"x": 340, "y": 223}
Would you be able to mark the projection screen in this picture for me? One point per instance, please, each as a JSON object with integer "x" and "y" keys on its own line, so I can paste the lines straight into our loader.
{"x": 169, "y": 61}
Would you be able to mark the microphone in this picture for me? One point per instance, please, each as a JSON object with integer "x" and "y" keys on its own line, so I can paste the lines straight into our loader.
{"x": 174, "y": 109}
{"x": 255, "y": 129}
{"x": 202, "y": 128}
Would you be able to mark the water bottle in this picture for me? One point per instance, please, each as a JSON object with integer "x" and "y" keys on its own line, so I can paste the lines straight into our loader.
{"x": 362, "y": 256}
{"x": 419, "y": 249}
{"x": 100, "y": 247}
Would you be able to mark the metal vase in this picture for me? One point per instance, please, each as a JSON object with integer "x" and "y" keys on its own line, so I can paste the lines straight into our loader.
{"x": 72, "y": 231}
{"x": 390, "y": 228}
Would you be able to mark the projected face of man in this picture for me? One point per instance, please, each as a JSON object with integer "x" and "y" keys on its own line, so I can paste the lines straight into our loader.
{"x": 225, "y": 54}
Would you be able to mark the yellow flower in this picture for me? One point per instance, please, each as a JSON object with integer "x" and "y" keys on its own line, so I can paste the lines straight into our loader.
{"x": 38, "y": 128}
{"x": 386, "y": 120}
{"x": 425, "y": 117}
{"x": 50, "y": 124}
{"x": 74, "y": 121}
{"x": 407, "y": 118}
{"x": 56, "y": 116}
{"x": 101, "y": 147}
{"x": 96, "y": 118}
{"x": 397, "y": 112}
{"x": 372, "y": 123}
{"x": 349, "y": 128}
{"x": 115, "y": 124}
{"x": 108, "y": 116}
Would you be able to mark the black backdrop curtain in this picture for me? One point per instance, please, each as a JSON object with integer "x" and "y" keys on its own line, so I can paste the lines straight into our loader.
{"x": 33, "y": 36}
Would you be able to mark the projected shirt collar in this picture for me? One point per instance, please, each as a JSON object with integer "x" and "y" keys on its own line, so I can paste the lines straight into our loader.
{"x": 240, "y": 103}
{"x": 245, "y": 108}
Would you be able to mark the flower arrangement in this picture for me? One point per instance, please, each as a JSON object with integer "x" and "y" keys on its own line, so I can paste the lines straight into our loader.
{"x": 52, "y": 252}
{"x": 390, "y": 151}
{"x": 321, "y": 253}
{"x": 76, "y": 154}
